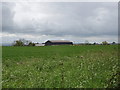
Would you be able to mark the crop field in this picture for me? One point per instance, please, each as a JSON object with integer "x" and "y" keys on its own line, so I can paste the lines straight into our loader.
{"x": 84, "y": 66}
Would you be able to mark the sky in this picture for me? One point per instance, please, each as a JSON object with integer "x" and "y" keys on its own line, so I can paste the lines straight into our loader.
{"x": 74, "y": 21}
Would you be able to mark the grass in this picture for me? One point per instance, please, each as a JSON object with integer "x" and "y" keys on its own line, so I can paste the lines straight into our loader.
{"x": 92, "y": 66}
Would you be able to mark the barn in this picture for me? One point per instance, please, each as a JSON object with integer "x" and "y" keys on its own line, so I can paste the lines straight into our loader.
{"x": 58, "y": 42}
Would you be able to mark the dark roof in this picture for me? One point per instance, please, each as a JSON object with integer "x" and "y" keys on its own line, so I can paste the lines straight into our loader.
{"x": 59, "y": 41}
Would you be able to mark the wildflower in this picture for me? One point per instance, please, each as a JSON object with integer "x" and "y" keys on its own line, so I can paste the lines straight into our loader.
{"x": 81, "y": 56}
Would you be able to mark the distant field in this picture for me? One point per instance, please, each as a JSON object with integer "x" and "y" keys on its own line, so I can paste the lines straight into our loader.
{"x": 92, "y": 66}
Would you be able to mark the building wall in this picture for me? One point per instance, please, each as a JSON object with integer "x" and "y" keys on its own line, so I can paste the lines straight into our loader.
{"x": 58, "y": 43}
{"x": 39, "y": 44}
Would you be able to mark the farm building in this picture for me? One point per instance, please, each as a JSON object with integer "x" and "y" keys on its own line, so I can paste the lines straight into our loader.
{"x": 58, "y": 42}
{"x": 39, "y": 44}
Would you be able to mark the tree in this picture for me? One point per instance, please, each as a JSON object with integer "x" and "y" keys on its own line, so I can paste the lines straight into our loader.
{"x": 105, "y": 43}
{"x": 18, "y": 43}
{"x": 23, "y": 42}
{"x": 94, "y": 43}
{"x": 113, "y": 43}
{"x": 31, "y": 44}
{"x": 86, "y": 42}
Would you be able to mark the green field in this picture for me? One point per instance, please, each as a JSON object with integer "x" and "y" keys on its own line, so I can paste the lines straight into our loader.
{"x": 85, "y": 66}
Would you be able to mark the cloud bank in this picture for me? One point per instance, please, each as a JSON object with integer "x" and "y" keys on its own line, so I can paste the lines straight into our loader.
{"x": 76, "y": 21}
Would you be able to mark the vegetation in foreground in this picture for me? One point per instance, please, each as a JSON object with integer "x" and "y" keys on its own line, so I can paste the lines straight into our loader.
{"x": 87, "y": 66}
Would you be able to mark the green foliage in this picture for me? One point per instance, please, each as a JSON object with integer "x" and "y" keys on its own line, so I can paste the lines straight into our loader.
{"x": 87, "y": 66}
{"x": 23, "y": 42}
{"x": 31, "y": 44}
{"x": 18, "y": 43}
{"x": 105, "y": 43}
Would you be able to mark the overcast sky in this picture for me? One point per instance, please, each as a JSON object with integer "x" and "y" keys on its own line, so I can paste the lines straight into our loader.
{"x": 74, "y": 21}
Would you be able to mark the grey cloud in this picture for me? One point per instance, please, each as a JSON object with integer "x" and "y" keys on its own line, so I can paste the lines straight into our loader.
{"x": 7, "y": 17}
{"x": 0, "y": 17}
{"x": 66, "y": 19}
{"x": 119, "y": 21}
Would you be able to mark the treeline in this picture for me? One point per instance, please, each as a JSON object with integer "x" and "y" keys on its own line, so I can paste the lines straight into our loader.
{"x": 23, "y": 42}
{"x": 102, "y": 43}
